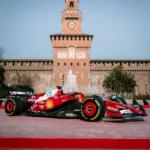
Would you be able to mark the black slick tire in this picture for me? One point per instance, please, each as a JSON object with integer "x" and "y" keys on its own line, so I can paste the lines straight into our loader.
{"x": 92, "y": 109}
{"x": 14, "y": 106}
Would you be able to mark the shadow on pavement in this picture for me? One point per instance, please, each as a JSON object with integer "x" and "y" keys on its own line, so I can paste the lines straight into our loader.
{"x": 125, "y": 120}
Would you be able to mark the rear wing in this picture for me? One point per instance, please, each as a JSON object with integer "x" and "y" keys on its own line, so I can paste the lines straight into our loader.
{"x": 20, "y": 93}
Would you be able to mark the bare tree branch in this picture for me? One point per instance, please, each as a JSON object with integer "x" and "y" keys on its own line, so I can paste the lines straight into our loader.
{"x": 1, "y": 52}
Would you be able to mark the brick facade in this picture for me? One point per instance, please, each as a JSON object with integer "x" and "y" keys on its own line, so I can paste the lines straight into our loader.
{"x": 71, "y": 48}
{"x": 71, "y": 51}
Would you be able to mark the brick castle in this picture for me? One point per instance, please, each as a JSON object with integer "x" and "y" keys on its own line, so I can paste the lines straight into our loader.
{"x": 71, "y": 51}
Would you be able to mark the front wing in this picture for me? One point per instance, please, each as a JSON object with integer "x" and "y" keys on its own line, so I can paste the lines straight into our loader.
{"x": 118, "y": 110}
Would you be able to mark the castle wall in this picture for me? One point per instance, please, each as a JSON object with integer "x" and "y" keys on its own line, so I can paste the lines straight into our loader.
{"x": 39, "y": 72}
{"x": 140, "y": 70}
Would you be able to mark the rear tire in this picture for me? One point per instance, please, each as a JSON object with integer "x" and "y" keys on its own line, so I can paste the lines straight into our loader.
{"x": 14, "y": 106}
{"x": 93, "y": 109}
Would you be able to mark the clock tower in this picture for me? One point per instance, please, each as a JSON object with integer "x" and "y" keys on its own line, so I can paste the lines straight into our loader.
{"x": 71, "y": 18}
{"x": 71, "y": 48}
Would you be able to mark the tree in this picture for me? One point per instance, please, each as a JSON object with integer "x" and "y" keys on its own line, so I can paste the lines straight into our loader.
{"x": 2, "y": 71}
{"x": 21, "y": 79}
{"x": 1, "y": 52}
{"x": 119, "y": 82}
{"x": 1, "y": 74}
{"x": 26, "y": 80}
{"x": 17, "y": 78}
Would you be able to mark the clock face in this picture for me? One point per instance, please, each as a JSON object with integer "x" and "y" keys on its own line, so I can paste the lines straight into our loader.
{"x": 71, "y": 24}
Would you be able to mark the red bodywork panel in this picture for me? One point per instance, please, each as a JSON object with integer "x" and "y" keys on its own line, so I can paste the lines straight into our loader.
{"x": 53, "y": 101}
{"x": 41, "y": 103}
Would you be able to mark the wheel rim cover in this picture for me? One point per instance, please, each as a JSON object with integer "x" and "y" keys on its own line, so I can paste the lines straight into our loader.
{"x": 10, "y": 106}
{"x": 90, "y": 109}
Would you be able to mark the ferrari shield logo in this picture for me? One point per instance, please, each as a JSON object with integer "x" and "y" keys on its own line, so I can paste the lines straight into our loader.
{"x": 80, "y": 100}
{"x": 49, "y": 104}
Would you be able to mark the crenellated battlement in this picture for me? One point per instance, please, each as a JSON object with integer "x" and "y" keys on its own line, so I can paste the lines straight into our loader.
{"x": 27, "y": 65}
{"x": 128, "y": 65}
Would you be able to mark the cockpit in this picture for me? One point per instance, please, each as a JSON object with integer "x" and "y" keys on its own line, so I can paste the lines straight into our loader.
{"x": 51, "y": 93}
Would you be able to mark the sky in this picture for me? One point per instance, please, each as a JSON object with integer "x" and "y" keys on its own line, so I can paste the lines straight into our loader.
{"x": 121, "y": 28}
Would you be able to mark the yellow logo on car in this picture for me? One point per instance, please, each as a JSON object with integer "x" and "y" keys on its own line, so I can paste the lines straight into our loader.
{"x": 80, "y": 100}
{"x": 49, "y": 104}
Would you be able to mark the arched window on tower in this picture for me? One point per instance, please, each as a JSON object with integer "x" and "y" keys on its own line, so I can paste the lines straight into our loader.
{"x": 71, "y": 4}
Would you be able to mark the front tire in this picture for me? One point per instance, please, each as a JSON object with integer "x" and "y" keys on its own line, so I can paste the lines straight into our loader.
{"x": 92, "y": 109}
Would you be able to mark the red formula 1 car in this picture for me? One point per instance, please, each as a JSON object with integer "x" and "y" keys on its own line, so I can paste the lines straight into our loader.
{"x": 55, "y": 103}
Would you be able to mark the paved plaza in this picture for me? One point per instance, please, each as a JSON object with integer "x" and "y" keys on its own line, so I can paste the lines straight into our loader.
{"x": 39, "y": 127}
